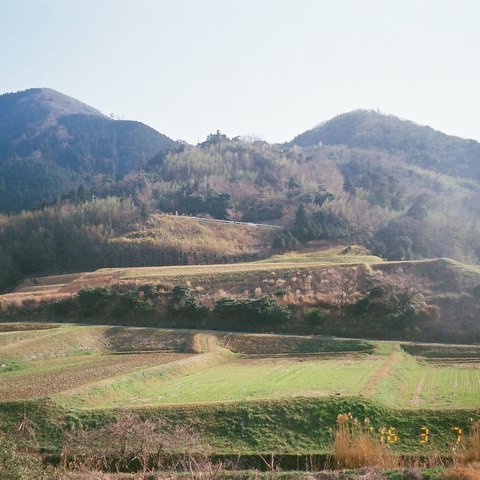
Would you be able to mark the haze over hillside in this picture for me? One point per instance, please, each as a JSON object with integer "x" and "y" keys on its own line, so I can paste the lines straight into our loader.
{"x": 422, "y": 146}
{"x": 51, "y": 143}
{"x": 402, "y": 190}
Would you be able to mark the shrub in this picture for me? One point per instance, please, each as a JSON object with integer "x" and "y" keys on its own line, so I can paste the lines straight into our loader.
{"x": 285, "y": 241}
{"x": 63, "y": 307}
{"x": 361, "y": 305}
{"x": 134, "y": 300}
{"x": 150, "y": 290}
{"x": 184, "y": 304}
{"x": 317, "y": 317}
{"x": 92, "y": 300}
{"x": 131, "y": 443}
{"x": 251, "y": 310}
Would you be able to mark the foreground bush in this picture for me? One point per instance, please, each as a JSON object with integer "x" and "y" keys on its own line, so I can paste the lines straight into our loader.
{"x": 252, "y": 310}
{"x": 132, "y": 444}
{"x": 355, "y": 446}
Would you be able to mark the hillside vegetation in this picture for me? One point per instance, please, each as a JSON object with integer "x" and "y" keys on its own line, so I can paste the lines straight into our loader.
{"x": 404, "y": 191}
{"x": 378, "y": 198}
{"x": 338, "y": 291}
{"x": 51, "y": 143}
{"x": 421, "y": 146}
{"x": 114, "y": 232}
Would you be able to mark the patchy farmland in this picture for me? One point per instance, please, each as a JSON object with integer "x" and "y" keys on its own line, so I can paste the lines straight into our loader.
{"x": 246, "y": 392}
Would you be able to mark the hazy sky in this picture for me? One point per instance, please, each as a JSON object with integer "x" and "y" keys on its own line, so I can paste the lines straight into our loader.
{"x": 268, "y": 67}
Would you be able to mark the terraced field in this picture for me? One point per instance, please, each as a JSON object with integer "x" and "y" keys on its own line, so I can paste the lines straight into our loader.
{"x": 228, "y": 378}
{"x": 63, "y": 286}
{"x": 440, "y": 386}
{"x": 113, "y": 366}
{"x": 220, "y": 380}
{"x": 48, "y": 377}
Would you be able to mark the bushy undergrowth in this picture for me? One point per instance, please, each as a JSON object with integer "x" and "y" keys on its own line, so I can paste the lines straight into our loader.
{"x": 251, "y": 310}
{"x": 184, "y": 304}
{"x": 146, "y": 305}
{"x": 138, "y": 447}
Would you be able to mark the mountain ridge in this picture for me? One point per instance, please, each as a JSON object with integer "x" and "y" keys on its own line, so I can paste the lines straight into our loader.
{"x": 51, "y": 143}
{"x": 421, "y": 145}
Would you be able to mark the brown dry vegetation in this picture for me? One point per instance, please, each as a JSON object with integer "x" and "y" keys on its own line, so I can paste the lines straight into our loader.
{"x": 463, "y": 472}
{"x": 192, "y": 235}
{"x": 48, "y": 378}
{"x": 326, "y": 279}
{"x": 355, "y": 446}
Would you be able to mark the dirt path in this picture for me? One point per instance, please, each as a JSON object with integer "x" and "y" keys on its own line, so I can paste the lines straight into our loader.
{"x": 416, "y": 399}
{"x": 204, "y": 343}
{"x": 383, "y": 371}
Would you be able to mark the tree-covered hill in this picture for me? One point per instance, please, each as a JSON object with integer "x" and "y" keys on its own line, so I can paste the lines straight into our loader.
{"x": 401, "y": 190}
{"x": 51, "y": 143}
{"x": 419, "y": 145}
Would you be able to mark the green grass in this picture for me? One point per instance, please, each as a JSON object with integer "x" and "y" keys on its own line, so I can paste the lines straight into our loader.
{"x": 234, "y": 379}
{"x": 251, "y": 401}
{"x": 284, "y": 262}
{"x": 261, "y": 366}
{"x": 329, "y": 255}
{"x": 436, "y": 386}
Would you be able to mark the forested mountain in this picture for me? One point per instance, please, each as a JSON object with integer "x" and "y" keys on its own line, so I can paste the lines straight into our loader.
{"x": 421, "y": 146}
{"x": 51, "y": 143}
{"x": 401, "y": 190}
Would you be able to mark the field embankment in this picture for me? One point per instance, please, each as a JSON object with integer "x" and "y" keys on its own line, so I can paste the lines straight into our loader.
{"x": 336, "y": 291}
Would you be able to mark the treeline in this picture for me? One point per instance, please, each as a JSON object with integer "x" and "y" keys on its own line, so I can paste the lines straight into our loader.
{"x": 63, "y": 238}
{"x": 370, "y": 197}
{"x": 333, "y": 193}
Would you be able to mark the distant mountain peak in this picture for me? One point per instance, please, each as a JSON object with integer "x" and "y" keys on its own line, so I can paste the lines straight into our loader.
{"x": 417, "y": 144}
{"x": 62, "y": 104}
{"x": 41, "y": 106}
{"x": 51, "y": 143}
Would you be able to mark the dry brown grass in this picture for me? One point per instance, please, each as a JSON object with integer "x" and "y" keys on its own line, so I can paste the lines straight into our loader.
{"x": 463, "y": 472}
{"x": 471, "y": 447}
{"x": 355, "y": 446}
{"x": 185, "y": 234}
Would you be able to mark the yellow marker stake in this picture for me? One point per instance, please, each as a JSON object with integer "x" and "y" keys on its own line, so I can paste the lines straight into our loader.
{"x": 459, "y": 433}
{"x": 392, "y": 435}
{"x": 424, "y": 435}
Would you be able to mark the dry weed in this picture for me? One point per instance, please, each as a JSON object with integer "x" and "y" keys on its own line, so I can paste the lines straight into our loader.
{"x": 355, "y": 446}
{"x": 463, "y": 472}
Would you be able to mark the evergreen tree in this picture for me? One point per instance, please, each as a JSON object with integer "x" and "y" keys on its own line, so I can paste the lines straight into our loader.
{"x": 348, "y": 186}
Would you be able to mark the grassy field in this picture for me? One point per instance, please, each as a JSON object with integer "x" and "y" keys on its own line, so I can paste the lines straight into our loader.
{"x": 437, "y": 386}
{"x": 114, "y": 366}
{"x": 248, "y": 392}
{"x": 230, "y": 379}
